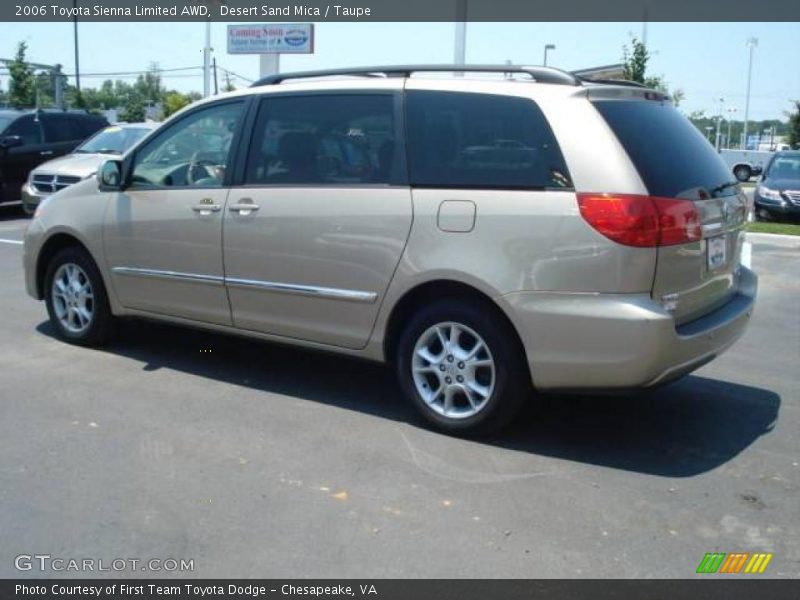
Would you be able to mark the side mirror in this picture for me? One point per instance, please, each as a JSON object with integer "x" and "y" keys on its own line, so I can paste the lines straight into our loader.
{"x": 109, "y": 176}
{"x": 11, "y": 141}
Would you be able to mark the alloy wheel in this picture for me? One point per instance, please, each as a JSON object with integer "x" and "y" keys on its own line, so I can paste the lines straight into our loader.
{"x": 453, "y": 370}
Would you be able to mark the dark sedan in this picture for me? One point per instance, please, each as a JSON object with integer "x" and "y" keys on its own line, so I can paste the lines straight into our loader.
{"x": 778, "y": 191}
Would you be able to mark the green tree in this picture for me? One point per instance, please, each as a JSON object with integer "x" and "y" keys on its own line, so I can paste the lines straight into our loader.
{"x": 634, "y": 64}
{"x": 793, "y": 135}
{"x": 133, "y": 112}
{"x": 634, "y": 60}
{"x": 173, "y": 102}
{"x": 148, "y": 86}
{"x": 22, "y": 85}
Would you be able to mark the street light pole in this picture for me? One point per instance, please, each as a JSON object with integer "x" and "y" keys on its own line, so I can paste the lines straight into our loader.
{"x": 751, "y": 43}
{"x": 546, "y": 48}
{"x": 719, "y": 123}
{"x": 731, "y": 111}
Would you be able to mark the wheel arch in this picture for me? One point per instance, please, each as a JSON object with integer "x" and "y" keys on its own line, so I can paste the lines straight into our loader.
{"x": 425, "y": 293}
{"x": 55, "y": 244}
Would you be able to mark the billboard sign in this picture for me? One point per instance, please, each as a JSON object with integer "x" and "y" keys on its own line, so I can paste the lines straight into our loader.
{"x": 271, "y": 38}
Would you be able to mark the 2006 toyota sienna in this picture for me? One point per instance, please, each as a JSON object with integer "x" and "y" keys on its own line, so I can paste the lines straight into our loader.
{"x": 507, "y": 230}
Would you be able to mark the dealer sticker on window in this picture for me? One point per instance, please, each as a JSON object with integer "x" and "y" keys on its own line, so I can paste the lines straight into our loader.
{"x": 716, "y": 252}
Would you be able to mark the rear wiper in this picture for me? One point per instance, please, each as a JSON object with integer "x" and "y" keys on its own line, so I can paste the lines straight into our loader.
{"x": 723, "y": 186}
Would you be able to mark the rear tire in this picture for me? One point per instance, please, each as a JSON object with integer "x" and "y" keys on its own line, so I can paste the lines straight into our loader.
{"x": 742, "y": 173}
{"x": 76, "y": 298}
{"x": 461, "y": 365}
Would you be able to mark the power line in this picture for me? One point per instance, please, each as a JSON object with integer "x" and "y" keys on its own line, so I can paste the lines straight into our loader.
{"x": 120, "y": 73}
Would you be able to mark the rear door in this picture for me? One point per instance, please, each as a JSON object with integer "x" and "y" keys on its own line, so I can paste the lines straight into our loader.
{"x": 317, "y": 224}
{"x": 62, "y": 133}
{"x": 674, "y": 160}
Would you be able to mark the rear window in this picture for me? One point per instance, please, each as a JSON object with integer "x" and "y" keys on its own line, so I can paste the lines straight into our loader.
{"x": 672, "y": 156}
{"x": 466, "y": 140}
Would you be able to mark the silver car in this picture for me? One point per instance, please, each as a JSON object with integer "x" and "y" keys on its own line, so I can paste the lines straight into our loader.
{"x": 54, "y": 175}
{"x": 355, "y": 215}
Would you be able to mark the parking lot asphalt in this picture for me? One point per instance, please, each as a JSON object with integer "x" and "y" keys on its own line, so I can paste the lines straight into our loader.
{"x": 257, "y": 460}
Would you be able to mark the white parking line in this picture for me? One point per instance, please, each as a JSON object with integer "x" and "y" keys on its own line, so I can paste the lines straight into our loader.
{"x": 15, "y": 242}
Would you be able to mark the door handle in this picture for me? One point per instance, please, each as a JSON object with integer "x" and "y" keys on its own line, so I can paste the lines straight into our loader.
{"x": 244, "y": 207}
{"x": 206, "y": 207}
{"x": 46, "y": 153}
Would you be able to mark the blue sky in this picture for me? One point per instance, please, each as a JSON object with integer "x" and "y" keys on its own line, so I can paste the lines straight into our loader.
{"x": 707, "y": 61}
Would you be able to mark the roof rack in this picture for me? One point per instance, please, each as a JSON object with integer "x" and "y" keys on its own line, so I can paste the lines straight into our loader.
{"x": 538, "y": 74}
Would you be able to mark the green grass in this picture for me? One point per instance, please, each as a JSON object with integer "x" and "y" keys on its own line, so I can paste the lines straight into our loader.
{"x": 782, "y": 228}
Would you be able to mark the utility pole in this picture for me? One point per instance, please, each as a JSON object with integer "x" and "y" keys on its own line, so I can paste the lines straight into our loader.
{"x": 207, "y": 62}
{"x": 216, "y": 87}
{"x": 751, "y": 44}
{"x": 75, "y": 36}
{"x": 644, "y": 23}
{"x": 460, "y": 50}
{"x": 719, "y": 123}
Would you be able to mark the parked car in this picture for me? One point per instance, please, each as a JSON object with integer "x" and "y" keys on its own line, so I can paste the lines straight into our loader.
{"x": 745, "y": 164}
{"x": 606, "y": 265}
{"x": 54, "y": 175}
{"x": 29, "y": 138}
{"x": 778, "y": 191}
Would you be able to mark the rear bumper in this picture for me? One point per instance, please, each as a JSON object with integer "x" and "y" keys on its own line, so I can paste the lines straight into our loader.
{"x": 620, "y": 341}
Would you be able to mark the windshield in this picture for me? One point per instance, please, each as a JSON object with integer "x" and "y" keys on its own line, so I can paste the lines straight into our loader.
{"x": 4, "y": 121}
{"x": 785, "y": 167}
{"x": 112, "y": 140}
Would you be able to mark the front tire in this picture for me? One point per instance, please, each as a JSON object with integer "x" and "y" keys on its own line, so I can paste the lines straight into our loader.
{"x": 462, "y": 367}
{"x": 76, "y": 298}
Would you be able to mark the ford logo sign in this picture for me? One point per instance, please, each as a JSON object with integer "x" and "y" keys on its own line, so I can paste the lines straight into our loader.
{"x": 295, "y": 37}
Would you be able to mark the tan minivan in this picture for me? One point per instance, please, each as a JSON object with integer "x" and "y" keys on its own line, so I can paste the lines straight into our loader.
{"x": 505, "y": 230}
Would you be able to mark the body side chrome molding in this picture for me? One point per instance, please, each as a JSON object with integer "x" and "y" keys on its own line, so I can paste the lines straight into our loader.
{"x": 304, "y": 290}
{"x": 168, "y": 275}
{"x": 272, "y": 286}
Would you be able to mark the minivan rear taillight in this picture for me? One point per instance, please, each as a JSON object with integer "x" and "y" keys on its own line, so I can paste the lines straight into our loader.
{"x": 642, "y": 221}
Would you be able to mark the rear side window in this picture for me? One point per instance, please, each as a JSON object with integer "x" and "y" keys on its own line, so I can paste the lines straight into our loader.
{"x": 27, "y": 128}
{"x": 60, "y": 128}
{"x": 672, "y": 156}
{"x": 465, "y": 140}
{"x": 91, "y": 125}
{"x": 324, "y": 139}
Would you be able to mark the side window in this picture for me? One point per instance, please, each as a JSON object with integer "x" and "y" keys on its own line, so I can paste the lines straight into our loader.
{"x": 193, "y": 152}
{"x": 480, "y": 140}
{"x": 324, "y": 139}
{"x": 27, "y": 128}
{"x": 60, "y": 128}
